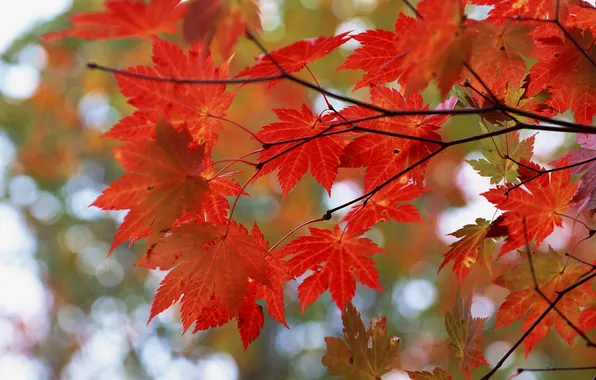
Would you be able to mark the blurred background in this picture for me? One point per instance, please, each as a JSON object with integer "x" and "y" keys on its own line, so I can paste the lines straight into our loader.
{"x": 67, "y": 311}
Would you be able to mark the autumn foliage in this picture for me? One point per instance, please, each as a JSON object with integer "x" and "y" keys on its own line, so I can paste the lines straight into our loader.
{"x": 520, "y": 67}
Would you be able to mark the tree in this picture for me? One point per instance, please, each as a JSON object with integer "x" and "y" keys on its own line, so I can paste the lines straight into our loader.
{"x": 519, "y": 68}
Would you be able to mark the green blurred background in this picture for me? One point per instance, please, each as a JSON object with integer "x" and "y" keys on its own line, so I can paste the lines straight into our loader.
{"x": 69, "y": 311}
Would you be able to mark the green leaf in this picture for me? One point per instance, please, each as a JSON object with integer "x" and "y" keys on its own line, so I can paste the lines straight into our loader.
{"x": 494, "y": 164}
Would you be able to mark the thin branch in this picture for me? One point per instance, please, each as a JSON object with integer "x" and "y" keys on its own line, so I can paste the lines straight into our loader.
{"x": 233, "y": 162}
{"x": 552, "y": 369}
{"x": 542, "y": 172}
{"x": 237, "y": 125}
{"x": 294, "y": 230}
{"x": 369, "y": 194}
{"x": 153, "y": 78}
{"x": 233, "y": 208}
{"x": 580, "y": 260}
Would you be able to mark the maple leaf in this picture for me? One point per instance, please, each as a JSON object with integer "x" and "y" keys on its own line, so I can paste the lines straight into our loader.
{"x": 212, "y": 312}
{"x": 163, "y": 182}
{"x": 587, "y": 319}
{"x": 249, "y": 319}
{"x": 432, "y": 47}
{"x": 540, "y": 203}
{"x": 294, "y": 57}
{"x": 206, "y": 260}
{"x": 506, "y": 9}
{"x": 365, "y": 354}
{"x": 582, "y": 16}
{"x": 437, "y": 374}
{"x": 320, "y": 154}
{"x": 336, "y": 259}
{"x": 498, "y": 57}
{"x": 567, "y": 75}
{"x": 437, "y": 47}
{"x": 382, "y": 207}
{"x": 385, "y": 156}
{"x": 219, "y": 20}
{"x": 378, "y": 54}
{"x": 464, "y": 334}
{"x": 201, "y": 20}
{"x": 586, "y": 191}
{"x": 475, "y": 246}
{"x": 124, "y": 18}
{"x": 494, "y": 165}
{"x": 553, "y": 275}
{"x": 191, "y": 106}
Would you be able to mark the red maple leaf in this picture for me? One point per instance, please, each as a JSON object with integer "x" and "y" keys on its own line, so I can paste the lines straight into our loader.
{"x": 182, "y": 105}
{"x": 206, "y": 260}
{"x": 546, "y": 197}
{"x": 221, "y": 21}
{"x": 568, "y": 76}
{"x": 587, "y": 319}
{"x": 379, "y": 55}
{"x": 552, "y": 276}
{"x": 383, "y": 206}
{"x": 294, "y": 57}
{"x": 498, "y": 57}
{"x": 432, "y": 47}
{"x": 124, "y": 18}
{"x": 582, "y": 15}
{"x": 218, "y": 275}
{"x": 163, "y": 182}
{"x": 385, "y": 156}
{"x": 336, "y": 259}
{"x": 320, "y": 154}
{"x": 504, "y": 10}
{"x": 475, "y": 246}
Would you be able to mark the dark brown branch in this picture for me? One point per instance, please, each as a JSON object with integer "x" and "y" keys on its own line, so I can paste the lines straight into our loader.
{"x": 552, "y": 369}
{"x": 369, "y": 194}
{"x": 153, "y": 78}
{"x": 580, "y": 260}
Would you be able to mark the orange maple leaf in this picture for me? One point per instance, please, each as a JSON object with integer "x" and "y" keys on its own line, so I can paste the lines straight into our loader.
{"x": 552, "y": 276}
{"x": 124, "y": 18}
{"x": 546, "y": 197}
{"x": 337, "y": 259}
